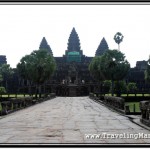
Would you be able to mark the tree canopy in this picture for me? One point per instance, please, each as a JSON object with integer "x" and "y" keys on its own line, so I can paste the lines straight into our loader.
{"x": 37, "y": 67}
{"x": 147, "y": 71}
{"x": 118, "y": 37}
{"x": 112, "y": 65}
{"x": 95, "y": 70}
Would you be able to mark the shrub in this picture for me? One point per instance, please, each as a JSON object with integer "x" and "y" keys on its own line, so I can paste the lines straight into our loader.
{"x": 2, "y": 90}
{"x": 119, "y": 87}
{"x": 107, "y": 85}
{"x": 131, "y": 87}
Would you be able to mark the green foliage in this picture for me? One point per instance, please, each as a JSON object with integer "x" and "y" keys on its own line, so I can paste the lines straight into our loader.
{"x": 1, "y": 78}
{"x": 37, "y": 67}
{"x": 2, "y": 90}
{"x": 120, "y": 86}
{"x": 147, "y": 71}
{"x": 131, "y": 86}
{"x": 118, "y": 37}
{"x": 114, "y": 66}
{"x": 107, "y": 85}
{"x": 94, "y": 68}
{"x": 7, "y": 72}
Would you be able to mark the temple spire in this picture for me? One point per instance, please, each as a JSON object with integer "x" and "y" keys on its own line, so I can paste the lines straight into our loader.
{"x": 73, "y": 41}
{"x": 103, "y": 47}
{"x": 44, "y": 45}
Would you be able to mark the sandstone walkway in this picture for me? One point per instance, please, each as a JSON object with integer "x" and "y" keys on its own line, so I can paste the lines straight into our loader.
{"x": 68, "y": 120}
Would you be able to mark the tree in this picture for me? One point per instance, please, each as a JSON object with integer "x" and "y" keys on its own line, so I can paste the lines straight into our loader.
{"x": 131, "y": 87}
{"x": 6, "y": 71}
{"x": 107, "y": 85}
{"x": 95, "y": 71}
{"x": 37, "y": 67}
{"x": 118, "y": 37}
{"x": 2, "y": 90}
{"x": 1, "y": 79}
{"x": 94, "y": 68}
{"x": 147, "y": 71}
{"x": 120, "y": 87}
{"x": 114, "y": 67}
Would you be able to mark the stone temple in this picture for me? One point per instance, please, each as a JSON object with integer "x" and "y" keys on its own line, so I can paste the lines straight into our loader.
{"x": 72, "y": 76}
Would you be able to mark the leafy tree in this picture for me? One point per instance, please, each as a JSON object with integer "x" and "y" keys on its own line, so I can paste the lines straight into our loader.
{"x": 147, "y": 71}
{"x": 2, "y": 90}
{"x": 107, "y": 85}
{"x": 131, "y": 87}
{"x": 118, "y": 37}
{"x": 37, "y": 67}
{"x": 1, "y": 79}
{"x": 95, "y": 71}
{"x": 6, "y": 71}
{"x": 119, "y": 87}
{"x": 94, "y": 68}
{"x": 114, "y": 66}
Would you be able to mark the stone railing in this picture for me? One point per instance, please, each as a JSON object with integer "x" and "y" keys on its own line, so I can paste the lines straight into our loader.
{"x": 115, "y": 102}
{"x": 145, "y": 112}
{"x": 13, "y": 104}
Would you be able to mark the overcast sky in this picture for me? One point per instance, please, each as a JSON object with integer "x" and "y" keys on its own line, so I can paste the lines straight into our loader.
{"x": 22, "y": 28}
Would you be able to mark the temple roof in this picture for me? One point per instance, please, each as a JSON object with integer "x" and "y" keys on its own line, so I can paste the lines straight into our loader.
{"x": 103, "y": 46}
{"x": 44, "y": 45}
{"x": 73, "y": 41}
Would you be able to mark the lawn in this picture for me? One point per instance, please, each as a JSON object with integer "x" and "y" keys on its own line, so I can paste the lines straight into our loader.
{"x": 14, "y": 95}
{"x": 128, "y": 94}
{"x": 131, "y": 106}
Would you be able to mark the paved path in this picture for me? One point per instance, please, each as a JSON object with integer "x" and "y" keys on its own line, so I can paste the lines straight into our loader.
{"x": 67, "y": 120}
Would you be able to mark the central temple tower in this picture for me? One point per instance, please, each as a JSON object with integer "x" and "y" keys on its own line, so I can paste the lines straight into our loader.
{"x": 73, "y": 52}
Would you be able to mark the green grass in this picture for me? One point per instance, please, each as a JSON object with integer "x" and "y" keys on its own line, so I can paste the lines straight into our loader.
{"x": 14, "y": 95}
{"x": 134, "y": 94}
{"x": 131, "y": 106}
{"x": 128, "y": 94}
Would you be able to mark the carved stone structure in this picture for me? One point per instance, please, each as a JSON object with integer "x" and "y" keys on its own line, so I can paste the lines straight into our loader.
{"x": 3, "y": 59}
{"x": 145, "y": 112}
{"x": 72, "y": 74}
{"x": 102, "y": 48}
{"x": 136, "y": 75}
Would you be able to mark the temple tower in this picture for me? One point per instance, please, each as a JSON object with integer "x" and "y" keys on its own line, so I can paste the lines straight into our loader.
{"x": 73, "y": 43}
{"x": 103, "y": 47}
{"x": 44, "y": 45}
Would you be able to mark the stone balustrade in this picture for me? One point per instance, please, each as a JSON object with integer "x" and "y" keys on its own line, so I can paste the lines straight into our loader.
{"x": 145, "y": 112}
{"x": 116, "y": 102}
{"x": 13, "y": 104}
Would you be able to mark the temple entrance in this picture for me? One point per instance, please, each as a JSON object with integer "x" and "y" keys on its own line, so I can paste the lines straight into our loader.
{"x": 73, "y": 80}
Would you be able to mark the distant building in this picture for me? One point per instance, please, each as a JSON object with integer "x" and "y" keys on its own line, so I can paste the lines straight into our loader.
{"x": 72, "y": 67}
{"x": 72, "y": 76}
{"x": 141, "y": 65}
{"x": 3, "y": 59}
{"x": 102, "y": 48}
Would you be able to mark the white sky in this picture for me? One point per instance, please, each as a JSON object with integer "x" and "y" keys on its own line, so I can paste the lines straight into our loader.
{"x": 22, "y": 28}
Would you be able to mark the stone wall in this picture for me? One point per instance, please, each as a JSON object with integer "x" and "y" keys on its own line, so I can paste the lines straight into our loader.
{"x": 145, "y": 112}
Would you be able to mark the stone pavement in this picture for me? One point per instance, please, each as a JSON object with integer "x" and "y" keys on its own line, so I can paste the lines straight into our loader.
{"x": 68, "y": 120}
